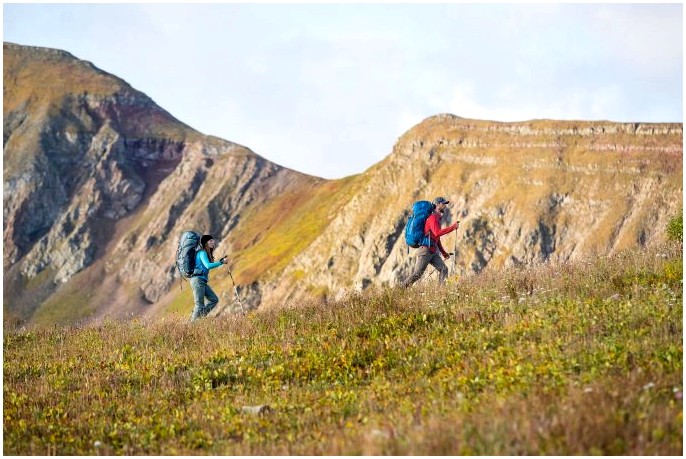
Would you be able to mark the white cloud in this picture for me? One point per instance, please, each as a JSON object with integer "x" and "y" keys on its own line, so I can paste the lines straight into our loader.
{"x": 648, "y": 38}
{"x": 257, "y": 64}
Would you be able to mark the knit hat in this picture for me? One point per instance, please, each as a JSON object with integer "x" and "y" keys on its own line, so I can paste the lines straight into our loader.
{"x": 204, "y": 239}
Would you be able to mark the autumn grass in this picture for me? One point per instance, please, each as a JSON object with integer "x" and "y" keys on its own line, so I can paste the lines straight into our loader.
{"x": 582, "y": 358}
{"x": 285, "y": 226}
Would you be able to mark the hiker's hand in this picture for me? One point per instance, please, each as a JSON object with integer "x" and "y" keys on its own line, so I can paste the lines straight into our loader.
{"x": 223, "y": 261}
{"x": 457, "y": 224}
{"x": 446, "y": 256}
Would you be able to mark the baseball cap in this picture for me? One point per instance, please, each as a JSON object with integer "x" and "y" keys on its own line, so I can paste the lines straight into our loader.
{"x": 441, "y": 200}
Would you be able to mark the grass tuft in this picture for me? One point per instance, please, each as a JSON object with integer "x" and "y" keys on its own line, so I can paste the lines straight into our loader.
{"x": 675, "y": 228}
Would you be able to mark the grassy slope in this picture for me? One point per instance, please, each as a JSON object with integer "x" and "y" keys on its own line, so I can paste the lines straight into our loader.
{"x": 272, "y": 235}
{"x": 582, "y": 358}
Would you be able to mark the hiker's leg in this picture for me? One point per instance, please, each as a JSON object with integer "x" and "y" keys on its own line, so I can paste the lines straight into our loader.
{"x": 212, "y": 299}
{"x": 198, "y": 289}
{"x": 438, "y": 263}
{"x": 423, "y": 258}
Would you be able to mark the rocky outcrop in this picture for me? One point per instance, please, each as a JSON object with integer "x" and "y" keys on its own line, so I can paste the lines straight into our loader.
{"x": 82, "y": 172}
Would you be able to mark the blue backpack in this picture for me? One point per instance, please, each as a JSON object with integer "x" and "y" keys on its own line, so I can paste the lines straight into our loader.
{"x": 185, "y": 253}
{"x": 414, "y": 230}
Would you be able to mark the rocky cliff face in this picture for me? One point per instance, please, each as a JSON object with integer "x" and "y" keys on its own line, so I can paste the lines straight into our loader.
{"x": 94, "y": 170}
{"x": 99, "y": 182}
{"x": 524, "y": 193}
{"x": 72, "y": 161}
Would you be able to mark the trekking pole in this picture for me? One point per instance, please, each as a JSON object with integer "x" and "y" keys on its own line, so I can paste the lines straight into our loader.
{"x": 235, "y": 290}
{"x": 454, "y": 252}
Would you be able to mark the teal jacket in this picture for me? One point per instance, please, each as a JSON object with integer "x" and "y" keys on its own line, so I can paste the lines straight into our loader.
{"x": 203, "y": 265}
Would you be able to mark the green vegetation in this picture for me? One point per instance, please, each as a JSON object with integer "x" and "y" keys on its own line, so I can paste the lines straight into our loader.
{"x": 66, "y": 307}
{"x": 582, "y": 358}
{"x": 182, "y": 302}
{"x": 675, "y": 228}
{"x": 285, "y": 226}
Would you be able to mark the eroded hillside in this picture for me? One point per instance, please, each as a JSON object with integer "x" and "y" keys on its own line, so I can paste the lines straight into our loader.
{"x": 524, "y": 193}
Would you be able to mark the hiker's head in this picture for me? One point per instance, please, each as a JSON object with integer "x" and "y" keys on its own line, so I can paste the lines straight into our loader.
{"x": 208, "y": 244}
{"x": 441, "y": 204}
{"x": 207, "y": 241}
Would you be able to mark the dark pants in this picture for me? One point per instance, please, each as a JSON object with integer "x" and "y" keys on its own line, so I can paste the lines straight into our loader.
{"x": 424, "y": 259}
{"x": 201, "y": 291}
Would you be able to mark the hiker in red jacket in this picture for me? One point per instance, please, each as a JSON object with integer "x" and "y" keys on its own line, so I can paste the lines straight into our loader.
{"x": 429, "y": 255}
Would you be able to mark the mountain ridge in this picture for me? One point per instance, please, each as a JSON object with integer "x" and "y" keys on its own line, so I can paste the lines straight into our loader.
{"x": 292, "y": 236}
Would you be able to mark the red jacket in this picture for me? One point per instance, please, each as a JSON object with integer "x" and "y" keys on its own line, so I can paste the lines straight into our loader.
{"x": 432, "y": 227}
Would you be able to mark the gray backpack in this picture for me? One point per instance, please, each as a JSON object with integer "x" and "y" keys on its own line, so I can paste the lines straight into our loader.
{"x": 185, "y": 253}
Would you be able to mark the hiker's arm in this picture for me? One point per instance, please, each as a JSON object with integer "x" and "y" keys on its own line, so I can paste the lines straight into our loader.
{"x": 437, "y": 232}
{"x": 206, "y": 261}
{"x": 435, "y": 227}
{"x": 446, "y": 230}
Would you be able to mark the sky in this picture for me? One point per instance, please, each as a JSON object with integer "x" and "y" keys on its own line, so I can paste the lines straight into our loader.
{"x": 327, "y": 89}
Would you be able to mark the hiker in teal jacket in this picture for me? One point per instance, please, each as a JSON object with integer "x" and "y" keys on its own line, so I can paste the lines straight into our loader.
{"x": 204, "y": 261}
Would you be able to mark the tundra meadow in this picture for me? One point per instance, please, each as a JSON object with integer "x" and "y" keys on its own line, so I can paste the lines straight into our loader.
{"x": 581, "y": 358}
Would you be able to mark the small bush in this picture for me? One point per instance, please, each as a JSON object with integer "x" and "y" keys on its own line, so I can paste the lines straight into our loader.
{"x": 675, "y": 228}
